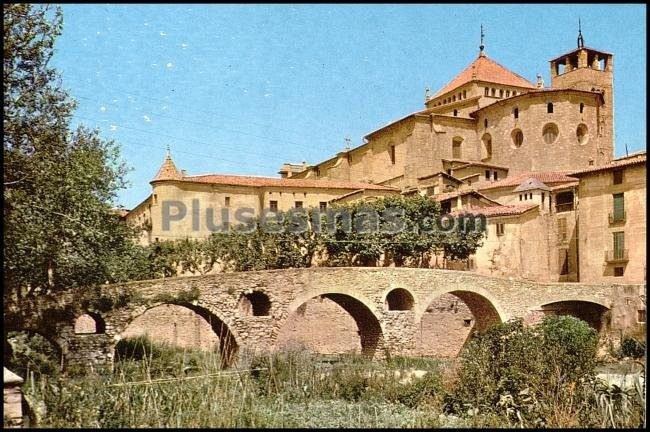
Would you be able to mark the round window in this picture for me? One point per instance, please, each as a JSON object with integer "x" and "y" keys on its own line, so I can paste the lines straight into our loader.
{"x": 550, "y": 133}
{"x": 582, "y": 133}
{"x": 517, "y": 138}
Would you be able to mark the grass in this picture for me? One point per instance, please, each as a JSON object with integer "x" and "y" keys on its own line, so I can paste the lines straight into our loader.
{"x": 162, "y": 386}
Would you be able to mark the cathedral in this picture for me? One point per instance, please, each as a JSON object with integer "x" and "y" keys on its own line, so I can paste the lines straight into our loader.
{"x": 537, "y": 161}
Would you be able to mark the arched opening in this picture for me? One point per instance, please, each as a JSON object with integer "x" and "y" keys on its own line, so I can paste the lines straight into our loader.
{"x": 549, "y": 108}
{"x": 89, "y": 323}
{"x": 332, "y": 324}
{"x": 450, "y": 319}
{"x": 185, "y": 325}
{"x": 517, "y": 138}
{"x": 486, "y": 148}
{"x": 256, "y": 303}
{"x": 582, "y": 134}
{"x": 28, "y": 351}
{"x": 399, "y": 299}
{"x": 593, "y": 313}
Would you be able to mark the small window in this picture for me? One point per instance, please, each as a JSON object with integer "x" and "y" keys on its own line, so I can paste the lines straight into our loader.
{"x": 619, "y": 244}
{"x": 485, "y": 123}
{"x": 454, "y": 98}
{"x": 273, "y": 206}
{"x": 496, "y": 176}
{"x": 561, "y": 229}
{"x": 449, "y": 171}
{"x": 549, "y": 108}
{"x": 501, "y": 93}
{"x": 514, "y": 93}
{"x": 487, "y": 174}
{"x": 487, "y": 91}
{"x": 582, "y": 134}
{"x": 464, "y": 94}
{"x": 392, "y": 154}
{"x": 155, "y": 198}
{"x": 494, "y": 92}
{"x": 227, "y": 202}
{"x": 468, "y": 322}
{"x": 516, "y": 113}
{"x": 617, "y": 177}
{"x": 455, "y": 113}
{"x": 317, "y": 171}
{"x": 323, "y": 206}
{"x": 520, "y": 198}
{"x": 582, "y": 108}
{"x": 641, "y": 314}
{"x": 619, "y": 207}
{"x": 298, "y": 204}
{"x": 456, "y": 150}
{"x": 531, "y": 195}
{"x": 500, "y": 229}
{"x": 619, "y": 271}
{"x": 507, "y": 93}
{"x": 543, "y": 197}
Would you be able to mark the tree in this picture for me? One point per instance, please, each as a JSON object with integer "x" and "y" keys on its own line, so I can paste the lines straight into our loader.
{"x": 59, "y": 185}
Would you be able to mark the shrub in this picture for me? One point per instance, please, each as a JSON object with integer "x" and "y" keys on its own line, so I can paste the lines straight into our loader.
{"x": 631, "y": 347}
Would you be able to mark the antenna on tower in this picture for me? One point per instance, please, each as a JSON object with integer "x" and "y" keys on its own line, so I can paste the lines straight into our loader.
{"x": 169, "y": 153}
{"x": 581, "y": 41}
{"x": 482, "y": 46}
{"x": 347, "y": 143}
{"x": 626, "y": 153}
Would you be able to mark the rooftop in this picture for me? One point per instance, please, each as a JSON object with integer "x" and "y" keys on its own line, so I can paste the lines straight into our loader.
{"x": 532, "y": 184}
{"x": 543, "y": 176}
{"x": 503, "y": 210}
{"x": 485, "y": 69}
{"x": 633, "y": 159}
{"x": 255, "y": 181}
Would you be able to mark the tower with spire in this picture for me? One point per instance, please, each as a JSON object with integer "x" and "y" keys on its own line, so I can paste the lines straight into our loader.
{"x": 168, "y": 170}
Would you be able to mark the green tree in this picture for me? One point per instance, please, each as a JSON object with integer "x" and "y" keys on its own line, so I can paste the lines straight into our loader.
{"x": 59, "y": 185}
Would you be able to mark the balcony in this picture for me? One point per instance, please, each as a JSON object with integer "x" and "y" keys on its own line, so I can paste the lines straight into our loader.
{"x": 565, "y": 207}
{"x": 617, "y": 217}
{"x": 616, "y": 256}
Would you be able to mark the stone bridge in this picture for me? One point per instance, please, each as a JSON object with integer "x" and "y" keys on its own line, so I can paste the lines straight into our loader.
{"x": 248, "y": 310}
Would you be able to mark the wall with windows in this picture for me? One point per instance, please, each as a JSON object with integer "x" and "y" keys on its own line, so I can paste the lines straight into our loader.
{"x": 538, "y": 140}
{"x": 601, "y": 260}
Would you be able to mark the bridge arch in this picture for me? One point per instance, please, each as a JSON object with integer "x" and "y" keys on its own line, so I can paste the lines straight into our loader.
{"x": 399, "y": 299}
{"x": 360, "y": 309}
{"x": 228, "y": 342}
{"x": 89, "y": 323}
{"x": 593, "y": 312}
{"x": 483, "y": 305}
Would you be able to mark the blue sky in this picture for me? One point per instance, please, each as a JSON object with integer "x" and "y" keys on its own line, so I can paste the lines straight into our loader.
{"x": 243, "y": 88}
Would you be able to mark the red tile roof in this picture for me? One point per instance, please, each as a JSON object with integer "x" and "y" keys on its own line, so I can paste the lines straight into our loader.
{"x": 543, "y": 176}
{"x": 503, "y": 210}
{"x": 254, "y": 181}
{"x": 639, "y": 158}
{"x": 168, "y": 171}
{"x": 485, "y": 69}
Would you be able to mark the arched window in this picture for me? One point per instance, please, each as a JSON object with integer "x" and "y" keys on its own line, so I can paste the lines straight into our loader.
{"x": 485, "y": 123}
{"x": 487, "y": 91}
{"x": 550, "y": 133}
{"x": 494, "y": 92}
{"x": 514, "y": 92}
{"x": 486, "y": 150}
{"x": 582, "y": 108}
{"x": 582, "y": 133}
{"x": 501, "y": 93}
{"x": 517, "y": 138}
{"x": 507, "y": 93}
{"x": 515, "y": 112}
{"x": 255, "y": 304}
{"x": 464, "y": 94}
{"x": 549, "y": 108}
{"x": 455, "y": 113}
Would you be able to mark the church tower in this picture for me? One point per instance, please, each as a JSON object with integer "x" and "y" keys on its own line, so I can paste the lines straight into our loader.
{"x": 592, "y": 70}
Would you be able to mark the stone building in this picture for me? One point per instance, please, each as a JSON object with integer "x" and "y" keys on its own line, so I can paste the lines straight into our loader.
{"x": 536, "y": 161}
{"x": 12, "y": 399}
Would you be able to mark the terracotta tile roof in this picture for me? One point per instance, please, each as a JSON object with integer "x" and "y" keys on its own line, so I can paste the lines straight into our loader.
{"x": 254, "y": 181}
{"x": 543, "y": 176}
{"x": 442, "y": 173}
{"x": 638, "y": 158}
{"x": 457, "y": 193}
{"x": 531, "y": 184}
{"x": 485, "y": 69}
{"x": 502, "y": 210}
{"x": 466, "y": 163}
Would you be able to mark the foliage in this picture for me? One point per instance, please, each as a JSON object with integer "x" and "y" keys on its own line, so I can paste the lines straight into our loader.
{"x": 25, "y": 353}
{"x": 522, "y": 372}
{"x": 631, "y": 347}
{"x": 59, "y": 185}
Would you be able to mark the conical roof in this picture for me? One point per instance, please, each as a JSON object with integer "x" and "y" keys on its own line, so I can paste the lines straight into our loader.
{"x": 168, "y": 171}
{"x": 486, "y": 69}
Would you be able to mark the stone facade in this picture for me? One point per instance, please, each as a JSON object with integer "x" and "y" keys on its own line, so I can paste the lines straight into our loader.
{"x": 360, "y": 292}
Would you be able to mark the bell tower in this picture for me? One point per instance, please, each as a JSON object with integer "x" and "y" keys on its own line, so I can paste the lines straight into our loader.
{"x": 591, "y": 70}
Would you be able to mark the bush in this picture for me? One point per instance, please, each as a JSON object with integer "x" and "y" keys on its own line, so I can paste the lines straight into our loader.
{"x": 631, "y": 347}
{"x": 520, "y": 372}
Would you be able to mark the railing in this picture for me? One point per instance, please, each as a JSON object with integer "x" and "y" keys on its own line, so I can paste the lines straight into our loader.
{"x": 559, "y": 208}
{"x": 616, "y": 255}
{"x": 617, "y": 217}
